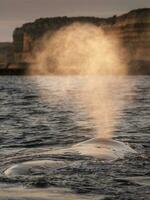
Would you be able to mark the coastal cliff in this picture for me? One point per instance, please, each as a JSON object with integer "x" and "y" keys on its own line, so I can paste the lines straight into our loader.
{"x": 6, "y": 53}
{"x": 133, "y": 29}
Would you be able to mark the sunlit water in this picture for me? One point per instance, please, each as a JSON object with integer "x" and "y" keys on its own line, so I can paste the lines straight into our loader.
{"x": 39, "y": 115}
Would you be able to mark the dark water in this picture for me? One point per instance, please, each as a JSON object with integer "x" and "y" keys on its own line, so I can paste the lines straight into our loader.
{"x": 38, "y": 115}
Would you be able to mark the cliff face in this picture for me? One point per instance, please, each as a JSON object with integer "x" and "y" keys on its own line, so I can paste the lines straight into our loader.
{"x": 133, "y": 29}
{"x": 24, "y": 37}
{"x": 6, "y": 53}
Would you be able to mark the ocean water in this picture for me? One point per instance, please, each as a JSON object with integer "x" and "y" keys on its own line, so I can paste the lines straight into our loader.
{"x": 42, "y": 114}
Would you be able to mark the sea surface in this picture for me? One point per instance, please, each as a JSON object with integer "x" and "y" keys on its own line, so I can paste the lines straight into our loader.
{"x": 40, "y": 114}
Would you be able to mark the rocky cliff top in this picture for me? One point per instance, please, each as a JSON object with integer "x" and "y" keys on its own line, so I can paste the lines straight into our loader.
{"x": 40, "y": 26}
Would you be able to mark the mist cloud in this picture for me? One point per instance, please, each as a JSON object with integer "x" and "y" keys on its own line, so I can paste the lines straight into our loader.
{"x": 85, "y": 50}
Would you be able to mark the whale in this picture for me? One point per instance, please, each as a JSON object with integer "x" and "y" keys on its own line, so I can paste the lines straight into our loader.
{"x": 107, "y": 150}
{"x": 30, "y": 167}
{"x": 103, "y": 148}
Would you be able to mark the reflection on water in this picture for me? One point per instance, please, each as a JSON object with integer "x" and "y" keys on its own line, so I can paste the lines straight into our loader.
{"x": 44, "y": 194}
{"x": 44, "y": 114}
